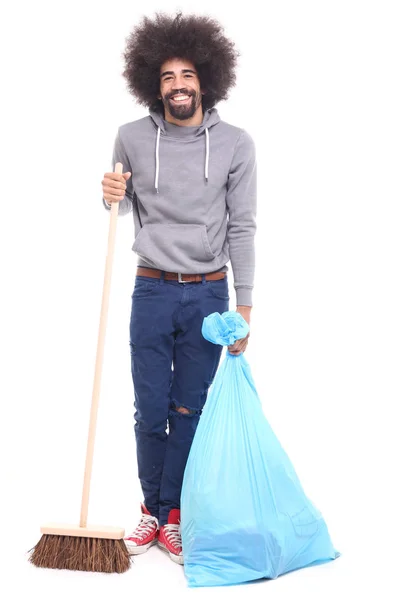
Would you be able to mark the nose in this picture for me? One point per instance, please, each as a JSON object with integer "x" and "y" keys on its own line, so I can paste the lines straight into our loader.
{"x": 179, "y": 82}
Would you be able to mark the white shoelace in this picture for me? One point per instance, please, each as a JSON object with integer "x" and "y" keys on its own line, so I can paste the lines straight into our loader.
{"x": 173, "y": 534}
{"x": 145, "y": 527}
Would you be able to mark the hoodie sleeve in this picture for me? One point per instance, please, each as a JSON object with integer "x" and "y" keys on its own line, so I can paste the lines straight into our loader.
{"x": 241, "y": 202}
{"x": 119, "y": 155}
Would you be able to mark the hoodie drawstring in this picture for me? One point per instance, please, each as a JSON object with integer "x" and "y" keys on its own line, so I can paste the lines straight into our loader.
{"x": 157, "y": 159}
{"x": 207, "y": 154}
{"x": 207, "y": 161}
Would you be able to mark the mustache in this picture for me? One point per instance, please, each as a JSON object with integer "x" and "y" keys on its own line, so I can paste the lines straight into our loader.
{"x": 180, "y": 91}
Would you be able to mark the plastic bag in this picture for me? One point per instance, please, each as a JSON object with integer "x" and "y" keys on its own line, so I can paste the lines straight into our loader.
{"x": 244, "y": 513}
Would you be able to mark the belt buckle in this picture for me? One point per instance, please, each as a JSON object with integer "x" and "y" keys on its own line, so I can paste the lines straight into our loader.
{"x": 180, "y": 278}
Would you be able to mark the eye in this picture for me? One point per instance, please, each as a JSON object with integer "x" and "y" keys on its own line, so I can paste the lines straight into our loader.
{"x": 167, "y": 78}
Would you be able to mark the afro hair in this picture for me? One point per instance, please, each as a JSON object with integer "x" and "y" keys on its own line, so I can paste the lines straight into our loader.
{"x": 199, "y": 39}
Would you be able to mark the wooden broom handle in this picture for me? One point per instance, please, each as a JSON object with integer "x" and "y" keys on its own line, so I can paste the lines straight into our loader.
{"x": 99, "y": 357}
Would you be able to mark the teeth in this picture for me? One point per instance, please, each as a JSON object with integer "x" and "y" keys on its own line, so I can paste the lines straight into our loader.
{"x": 180, "y": 98}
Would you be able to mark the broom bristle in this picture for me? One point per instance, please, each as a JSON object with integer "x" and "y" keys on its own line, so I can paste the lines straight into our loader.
{"x": 81, "y": 554}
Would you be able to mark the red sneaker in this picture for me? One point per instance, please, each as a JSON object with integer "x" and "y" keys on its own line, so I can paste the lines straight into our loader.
{"x": 169, "y": 538}
{"x": 145, "y": 534}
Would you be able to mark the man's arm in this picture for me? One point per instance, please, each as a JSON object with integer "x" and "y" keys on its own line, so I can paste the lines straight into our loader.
{"x": 119, "y": 155}
{"x": 241, "y": 200}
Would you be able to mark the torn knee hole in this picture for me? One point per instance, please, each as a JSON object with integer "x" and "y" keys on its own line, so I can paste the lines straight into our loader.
{"x": 183, "y": 410}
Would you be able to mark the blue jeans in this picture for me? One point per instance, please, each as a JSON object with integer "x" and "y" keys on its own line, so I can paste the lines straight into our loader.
{"x": 172, "y": 367}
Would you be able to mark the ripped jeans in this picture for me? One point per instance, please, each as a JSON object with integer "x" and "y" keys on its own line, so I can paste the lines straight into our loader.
{"x": 172, "y": 369}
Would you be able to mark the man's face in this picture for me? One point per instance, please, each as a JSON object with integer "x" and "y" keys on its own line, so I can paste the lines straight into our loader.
{"x": 180, "y": 88}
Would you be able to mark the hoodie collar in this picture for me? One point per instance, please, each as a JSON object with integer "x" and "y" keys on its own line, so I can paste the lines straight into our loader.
{"x": 173, "y": 131}
{"x": 210, "y": 118}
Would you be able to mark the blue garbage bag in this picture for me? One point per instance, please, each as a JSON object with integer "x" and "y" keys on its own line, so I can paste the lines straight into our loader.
{"x": 244, "y": 514}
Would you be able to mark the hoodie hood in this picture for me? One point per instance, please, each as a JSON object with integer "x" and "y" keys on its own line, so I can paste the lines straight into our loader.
{"x": 210, "y": 118}
{"x": 164, "y": 128}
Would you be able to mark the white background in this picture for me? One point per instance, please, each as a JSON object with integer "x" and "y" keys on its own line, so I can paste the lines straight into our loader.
{"x": 318, "y": 89}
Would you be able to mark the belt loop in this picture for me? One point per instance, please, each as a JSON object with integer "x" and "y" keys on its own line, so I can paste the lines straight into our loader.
{"x": 203, "y": 279}
{"x": 162, "y": 278}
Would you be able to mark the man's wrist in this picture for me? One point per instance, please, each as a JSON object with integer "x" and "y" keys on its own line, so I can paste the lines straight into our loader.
{"x": 245, "y": 311}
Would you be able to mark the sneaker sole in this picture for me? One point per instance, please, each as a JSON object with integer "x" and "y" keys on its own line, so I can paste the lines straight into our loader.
{"x": 133, "y": 550}
{"x": 178, "y": 559}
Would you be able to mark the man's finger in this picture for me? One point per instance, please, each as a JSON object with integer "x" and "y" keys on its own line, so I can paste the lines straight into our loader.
{"x": 238, "y": 343}
{"x": 242, "y": 347}
{"x": 113, "y": 198}
{"x": 234, "y": 346}
{"x": 238, "y": 350}
{"x": 111, "y": 183}
{"x": 239, "y": 346}
{"x": 115, "y": 176}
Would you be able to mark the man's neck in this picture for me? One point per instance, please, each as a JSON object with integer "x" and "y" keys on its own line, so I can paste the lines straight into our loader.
{"x": 194, "y": 121}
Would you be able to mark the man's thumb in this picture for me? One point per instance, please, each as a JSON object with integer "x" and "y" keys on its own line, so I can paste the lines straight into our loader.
{"x": 127, "y": 175}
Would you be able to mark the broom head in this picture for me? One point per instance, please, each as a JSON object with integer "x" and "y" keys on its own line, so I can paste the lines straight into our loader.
{"x": 95, "y": 548}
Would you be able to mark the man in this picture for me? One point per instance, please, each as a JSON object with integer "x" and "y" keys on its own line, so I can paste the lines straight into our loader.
{"x": 190, "y": 180}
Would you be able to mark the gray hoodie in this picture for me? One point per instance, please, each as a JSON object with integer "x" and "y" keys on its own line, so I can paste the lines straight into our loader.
{"x": 193, "y": 196}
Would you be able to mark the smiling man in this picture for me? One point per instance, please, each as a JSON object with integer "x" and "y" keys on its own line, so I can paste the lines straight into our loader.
{"x": 190, "y": 182}
{"x": 181, "y": 104}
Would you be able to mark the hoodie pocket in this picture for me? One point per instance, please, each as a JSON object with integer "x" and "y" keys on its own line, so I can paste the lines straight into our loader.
{"x": 174, "y": 247}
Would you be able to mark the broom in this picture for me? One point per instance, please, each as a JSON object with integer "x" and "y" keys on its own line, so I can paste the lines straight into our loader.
{"x": 83, "y": 547}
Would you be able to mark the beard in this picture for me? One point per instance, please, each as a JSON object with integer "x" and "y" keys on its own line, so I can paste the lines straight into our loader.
{"x": 184, "y": 111}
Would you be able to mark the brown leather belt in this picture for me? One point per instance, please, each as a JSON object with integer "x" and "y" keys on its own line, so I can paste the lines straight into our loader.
{"x": 182, "y": 278}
